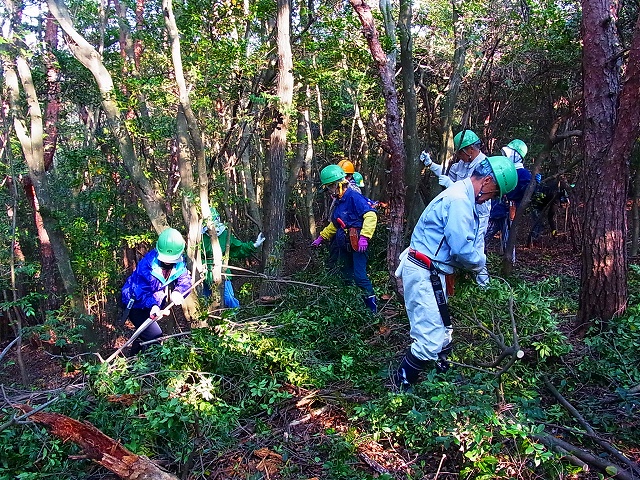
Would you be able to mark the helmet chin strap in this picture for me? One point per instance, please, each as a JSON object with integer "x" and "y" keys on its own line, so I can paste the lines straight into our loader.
{"x": 340, "y": 191}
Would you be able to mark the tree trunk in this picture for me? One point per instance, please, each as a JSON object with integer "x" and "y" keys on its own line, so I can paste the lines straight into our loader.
{"x": 273, "y": 247}
{"x": 189, "y": 211}
{"x": 247, "y": 177}
{"x": 310, "y": 223}
{"x": 453, "y": 88}
{"x": 99, "y": 447}
{"x": 89, "y": 57}
{"x": 611, "y": 126}
{"x": 410, "y": 132}
{"x": 394, "y": 136}
{"x": 33, "y": 149}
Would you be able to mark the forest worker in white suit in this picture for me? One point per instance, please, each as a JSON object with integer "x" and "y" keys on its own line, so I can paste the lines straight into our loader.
{"x": 444, "y": 239}
{"x": 467, "y": 146}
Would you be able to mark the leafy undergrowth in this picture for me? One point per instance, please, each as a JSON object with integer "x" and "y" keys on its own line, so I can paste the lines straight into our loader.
{"x": 299, "y": 389}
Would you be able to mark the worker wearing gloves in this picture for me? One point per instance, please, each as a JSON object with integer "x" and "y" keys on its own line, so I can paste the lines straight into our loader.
{"x": 515, "y": 150}
{"x": 467, "y": 151}
{"x": 443, "y": 240}
{"x": 349, "y": 175}
{"x": 160, "y": 278}
{"x": 238, "y": 250}
{"x": 352, "y": 223}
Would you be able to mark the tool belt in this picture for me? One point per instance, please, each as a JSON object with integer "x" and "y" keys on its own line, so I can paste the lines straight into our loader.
{"x": 352, "y": 233}
{"x": 423, "y": 261}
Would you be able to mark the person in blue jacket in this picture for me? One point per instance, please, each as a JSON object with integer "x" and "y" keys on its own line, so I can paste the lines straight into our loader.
{"x": 501, "y": 216}
{"x": 443, "y": 240}
{"x": 353, "y": 223}
{"x": 160, "y": 277}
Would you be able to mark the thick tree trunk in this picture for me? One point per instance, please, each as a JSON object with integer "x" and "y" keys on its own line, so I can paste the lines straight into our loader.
{"x": 89, "y": 57}
{"x": 273, "y": 247}
{"x": 611, "y": 125}
{"x": 394, "y": 136}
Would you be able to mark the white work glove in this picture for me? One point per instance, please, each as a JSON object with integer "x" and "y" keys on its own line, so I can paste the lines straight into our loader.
{"x": 259, "y": 241}
{"x": 177, "y": 298}
{"x": 482, "y": 277}
{"x": 425, "y": 158}
{"x": 445, "y": 181}
{"x": 156, "y": 312}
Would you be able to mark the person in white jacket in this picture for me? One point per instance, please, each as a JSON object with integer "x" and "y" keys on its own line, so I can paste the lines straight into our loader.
{"x": 467, "y": 151}
{"x": 443, "y": 240}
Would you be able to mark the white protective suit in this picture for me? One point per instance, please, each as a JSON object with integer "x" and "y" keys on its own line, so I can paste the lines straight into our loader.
{"x": 460, "y": 171}
{"x": 447, "y": 233}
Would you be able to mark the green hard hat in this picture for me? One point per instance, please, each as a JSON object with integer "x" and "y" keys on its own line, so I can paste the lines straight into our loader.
{"x": 331, "y": 173}
{"x": 170, "y": 246}
{"x": 505, "y": 173}
{"x": 464, "y": 139}
{"x": 519, "y": 146}
{"x": 359, "y": 179}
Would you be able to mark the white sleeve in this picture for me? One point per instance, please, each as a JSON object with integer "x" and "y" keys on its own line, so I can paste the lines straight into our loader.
{"x": 435, "y": 168}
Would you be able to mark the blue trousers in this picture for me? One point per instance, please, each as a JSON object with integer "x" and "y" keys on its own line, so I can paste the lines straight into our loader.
{"x": 153, "y": 330}
{"x": 353, "y": 267}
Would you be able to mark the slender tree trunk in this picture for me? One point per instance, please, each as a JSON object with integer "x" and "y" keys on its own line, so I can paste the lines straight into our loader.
{"x": 273, "y": 247}
{"x": 89, "y": 57}
{"x": 189, "y": 211}
{"x": 32, "y": 147}
{"x": 410, "y": 128}
{"x": 453, "y": 87}
{"x": 298, "y": 159}
{"x": 310, "y": 233}
{"x": 394, "y": 136}
{"x": 247, "y": 177}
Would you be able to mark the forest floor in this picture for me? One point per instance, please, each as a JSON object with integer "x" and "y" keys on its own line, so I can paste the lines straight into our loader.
{"x": 311, "y": 414}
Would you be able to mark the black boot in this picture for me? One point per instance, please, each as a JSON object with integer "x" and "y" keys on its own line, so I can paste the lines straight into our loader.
{"x": 442, "y": 364}
{"x": 408, "y": 371}
{"x": 372, "y": 303}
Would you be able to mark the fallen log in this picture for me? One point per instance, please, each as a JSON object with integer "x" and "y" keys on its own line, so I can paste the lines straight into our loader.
{"x": 99, "y": 447}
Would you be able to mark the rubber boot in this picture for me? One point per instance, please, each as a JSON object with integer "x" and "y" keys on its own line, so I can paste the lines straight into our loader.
{"x": 372, "y": 303}
{"x": 442, "y": 364}
{"x": 408, "y": 371}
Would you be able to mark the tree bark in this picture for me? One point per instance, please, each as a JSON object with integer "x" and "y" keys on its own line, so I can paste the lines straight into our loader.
{"x": 410, "y": 131}
{"x": 273, "y": 247}
{"x": 453, "y": 87}
{"x": 611, "y": 125}
{"x": 32, "y": 146}
{"x": 89, "y": 57}
{"x": 394, "y": 135}
{"x": 100, "y": 448}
